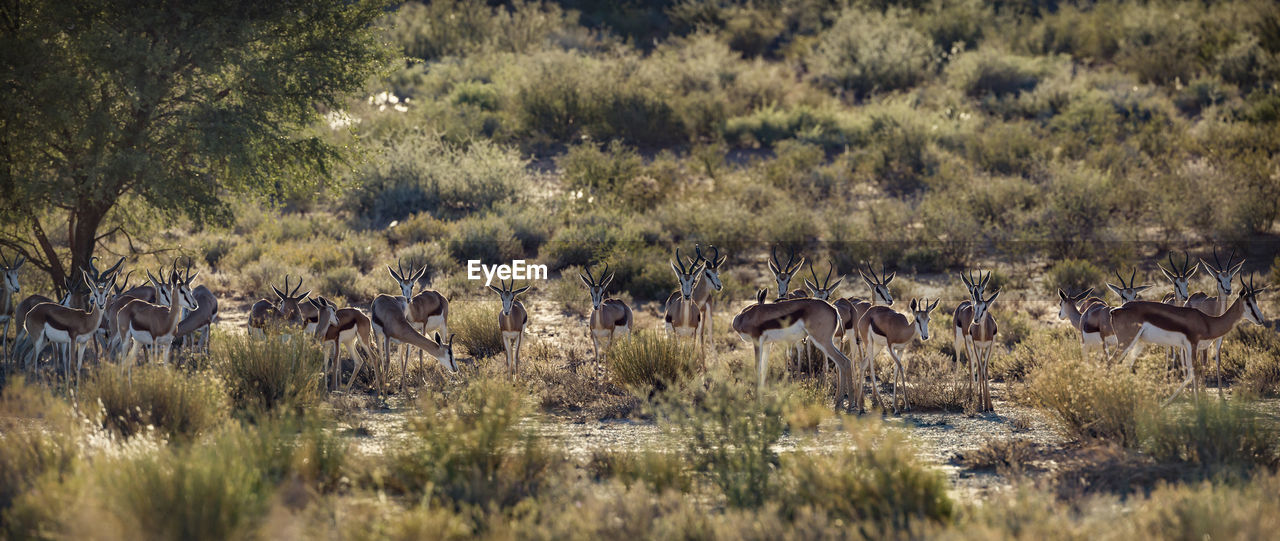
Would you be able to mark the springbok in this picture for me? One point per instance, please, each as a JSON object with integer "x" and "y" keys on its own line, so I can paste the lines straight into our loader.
{"x": 702, "y": 294}
{"x": 20, "y": 313}
{"x": 962, "y": 317}
{"x": 201, "y": 319}
{"x": 145, "y": 324}
{"x": 348, "y": 328}
{"x": 1222, "y": 276}
{"x": 1179, "y": 276}
{"x": 782, "y": 274}
{"x": 883, "y": 327}
{"x": 511, "y": 321}
{"x": 610, "y": 320}
{"x": 285, "y": 311}
{"x": 982, "y": 331}
{"x": 62, "y": 325}
{"x": 683, "y": 317}
{"x": 390, "y": 322}
{"x": 1069, "y": 309}
{"x": 822, "y": 290}
{"x": 8, "y": 290}
{"x": 788, "y": 321}
{"x": 428, "y": 310}
{"x": 852, "y": 308}
{"x": 1186, "y": 329}
{"x": 1095, "y": 321}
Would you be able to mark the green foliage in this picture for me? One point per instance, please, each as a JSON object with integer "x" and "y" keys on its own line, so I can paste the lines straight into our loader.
{"x": 730, "y": 437}
{"x": 175, "y": 404}
{"x": 37, "y": 443}
{"x": 1216, "y": 437}
{"x": 658, "y": 470}
{"x": 487, "y": 238}
{"x": 879, "y": 485}
{"x": 650, "y": 362}
{"x": 419, "y": 172}
{"x": 866, "y": 52}
{"x": 265, "y": 375}
{"x": 471, "y": 450}
{"x": 1074, "y": 276}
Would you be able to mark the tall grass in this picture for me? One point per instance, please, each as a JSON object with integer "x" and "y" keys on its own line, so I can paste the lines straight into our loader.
{"x": 650, "y": 361}
{"x": 1215, "y": 437}
{"x": 476, "y": 326}
{"x": 1091, "y": 401}
{"x": 176, "y": 404}
{"x": 269, "y": 374}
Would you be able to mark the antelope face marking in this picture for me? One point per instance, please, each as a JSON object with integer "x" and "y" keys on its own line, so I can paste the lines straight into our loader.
{"x": 597, "y": 287}
{"x": 713, "y": 277}
{"x": 921, "y": 311}
{"x": 507, "y": 295}
{"x": 981, "y": 307}
{"x": 11, "y": 280}
{"x": 688, "y": 276}
{"x": 448, "y": 361}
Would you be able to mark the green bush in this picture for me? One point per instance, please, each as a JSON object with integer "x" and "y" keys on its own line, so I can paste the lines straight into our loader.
{"x": 586, "y": 241}
{"x": 1073, "y": 276}
{"x": 177, "y": 405}
{"x": 866, "y": 52}
{"x": 1216, "y": 437}
{"x": 658, "y": 470}
{"x": 38, "y": 441}
{"x": 880, "y": 485}
{"x": 992, "y": 74}
{"x": 472, "y": 450}
{"x": 652, "y": 362}
{"x": 487, "y": 238}
{"x": 269, "y": 374}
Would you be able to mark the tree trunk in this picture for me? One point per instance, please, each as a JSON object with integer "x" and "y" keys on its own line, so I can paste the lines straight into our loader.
{"x": 84, "y": 237}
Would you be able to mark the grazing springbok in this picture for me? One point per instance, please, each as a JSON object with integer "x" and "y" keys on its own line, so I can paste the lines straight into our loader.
{"x": 511, "y": 321}
{"x": 284, "y": 312}
{"x": 428, "y": 310}
{"x": 390, "y": 322}
{"x": 611, "y": 319}
{"x": 63, "y": 325}
{"x": 982, "y": 331}
{"x": 962, "y": 317}
{"x": 200, "y": 320}
{"x": 683, "y": 317}
{"x": 8, "y": 291}
{"x": 1186, "y": 329}
{"x": 788, "y": 321}
{"x": 145, "y": 324}
{"x": 348, "y": 328}
{"x": 882, "y": 327}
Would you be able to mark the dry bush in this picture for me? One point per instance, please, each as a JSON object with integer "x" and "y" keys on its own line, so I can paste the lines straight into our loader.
{"x": 934, "y": 387}
{"x": 1091, "y": 401}
{"x": 649, "y": 361}
{"x": 476, "y": 325}
{"x": 1003, "y": 456}
{"x": 176, "y": 404}
{"x": 657, "y": 469}
{"x": 1214, "y": 437}
{"x": 266, "y": 374}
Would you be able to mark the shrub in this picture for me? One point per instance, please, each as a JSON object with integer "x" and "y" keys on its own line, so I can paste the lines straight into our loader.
{"x": 1251, "y": 356}
{"x": 730, "y": 437}
{"x": 600, "y": 169}
{"x": 658, "y": 470}
{"x": 487, "y": 238}
{"x": 994, "y": 74}
{"x": 583, "y": 243}
{"x": 866, "y": 52}
{"x": 1090, "y": 401}
{"x": 37, "y": 441}
{"x": 651, "y": 362}
{"x": 265, "y": 375}
{"x": 879, "y": 485}
{"x": 476, "y": 326}
{"x": 178, "y": 405}
{"x": 472, "y": 450}
{"x": 1026, "y": 356}
{"x": 1074, "y": 275}
{"x": 1216, "y": 437}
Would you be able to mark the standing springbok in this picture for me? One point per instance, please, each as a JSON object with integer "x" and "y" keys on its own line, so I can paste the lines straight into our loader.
{"x": 782, "y": 274}
{"x": 390, "y": 322}
{"x": 683, "y": 317}
{"x": 962, "y": 317}
{"x": 852, "y": 308}
{"x": 982, "y": 331}
{"x": 788, "y": 321}
{"x": 1179, "y": 276}
{"x": 822, "y": 290}
{"x": 145, "y": 324}
{"x": 1069, "y": 309}
{"x": 511, "y": 321}
{"x": 882, "y": 327}
{"x": 702, "y": 293}
{"x": 1186, "y": 329}
{"x": 284, "y": 312}
{"x": 428, "y": 310}
{"x": 1222, "y": 276}
{"x": 199, "y": 320}
{"x": 8, "y": 291}
{"x": 611, "y": 319}
{"x": 1095, "y": 321}
{"x": 62, "y": 325}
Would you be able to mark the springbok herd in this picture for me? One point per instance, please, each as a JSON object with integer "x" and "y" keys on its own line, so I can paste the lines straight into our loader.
{"x": 123, "y": 320}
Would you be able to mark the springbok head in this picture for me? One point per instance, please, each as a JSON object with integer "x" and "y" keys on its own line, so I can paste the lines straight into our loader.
{"x": 407, "y": 278}
{"x": 1180, "y": 275}
{"x": 784, "y": 273}
{"x": 687, "y": 274}
{"x": 879, "y": 284}
{"x": 1065, "y": 300}
{"x": 507, "y": 294}
{"x": 711, "y": 267}
{"x": 10, "y": 270}
{"x": 822, "y": 290}
{"x": 921, "y": 312}
{"x": 288, "y": 299}
{"x": 597, "y": 284}
{"x": 1128, "y": 291}
{"x": 1223, "y": 274}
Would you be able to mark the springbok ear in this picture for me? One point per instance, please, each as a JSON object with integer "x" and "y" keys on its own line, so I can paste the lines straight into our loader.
{"x": 934, "y": 304}
{"x": 393, "y": 274}
{"x": 1140, "y": 289}
{"x": 812, "y": 286}
{"x": 1062, "y": 294}
{"x": 495, "y": 290}
{"x": 421, "y": 272}
{"x": 836, "y": 284}
{"x": 302, "y": 296}
{"x": 607, "y": 281}
{"x": 993, "y": 296}
{"x": 889, "y": 278}
{"x": 1207, "y": 266}
{"x": 584, "y": 279}
{"x": 1113, "y": 288}
{"x": 674, "y": 267}
{"x": 1166, "y": 273}
{"x": 437, "y": 337}
{"x": 1236, "y": 269}
{"x": 1192, "y": 271}
{"x": 913, "y": 305}
{"x": 273, "y": 288}
{"x": 519, "y": 291}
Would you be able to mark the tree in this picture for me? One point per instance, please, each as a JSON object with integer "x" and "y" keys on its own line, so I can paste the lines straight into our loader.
{"x": 172, "y": 103}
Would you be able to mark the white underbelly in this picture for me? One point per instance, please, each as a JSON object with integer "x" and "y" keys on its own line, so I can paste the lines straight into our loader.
{"x": 1155, "y": 335}
{"x": 142, "y": 337}
{"x": 56, "y": 335}
{"x": 510, "y": 335}
{"x": 1091, "y": 338}
{"x": 432, "y": 323}
{"x": 791, "y": 333}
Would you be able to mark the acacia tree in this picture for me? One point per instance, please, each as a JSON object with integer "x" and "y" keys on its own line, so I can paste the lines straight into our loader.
{"x": 174, "y": 103}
